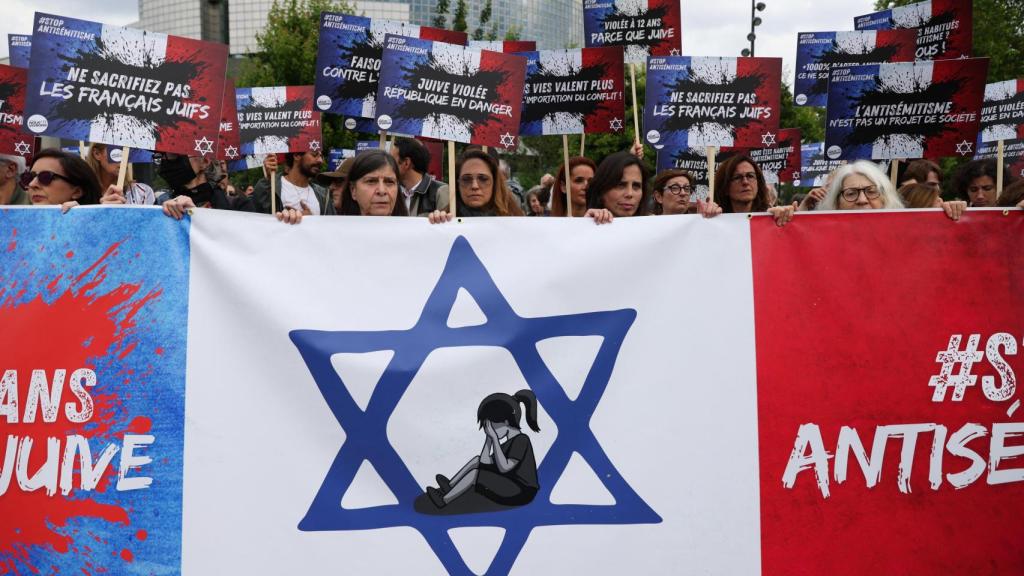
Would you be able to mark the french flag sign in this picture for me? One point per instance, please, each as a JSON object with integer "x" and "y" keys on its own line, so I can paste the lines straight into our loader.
{"x": 818, "y": 52}
{"x": 945, "y": 28}
{"x": 277, "y": 120}
{"x": 644, "y": 28}
{"x": 469, "y": 411}
{"x": 918, "y": 109}
{"x": 1002, "y": 117}
{"x": 450, "y": 92}
{"x": 709, "y": 101}
{"x": 573, "y": 92}
{"x": 506, "y": 46}
{"x": 13, "y": 139}
{"x": 348, "y": 59}
{"x": 98, "y": 83}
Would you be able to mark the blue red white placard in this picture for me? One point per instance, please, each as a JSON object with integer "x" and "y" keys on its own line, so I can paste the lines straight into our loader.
{"x": 693, "y": 160}
{"x": 19, "y": 49}
{"x": 573, "y": 91}
{"x": 778, "y": 158}
{"x": 944, "y": 27}
{"x": 450, "y": 92}
{"x": 277, "y": 120}
{"x": 135, "y": 155}
{"x": 363, "y": 125}
{"x": 335, "y": 156}
{"x": 924, "y": 109}
{"x": 14, "y": 141}
{"x": 506, "y": 46}
{"x": 348, "y": 59}
{"x": 247, "y": 162}
{"x": 697, "y": 101}
{"x": 815, "y": 166}
{"x": 1013, "y": 155}
{"x": 1002, "y": 117}
{"x": 229, "y": 143}
{"x": 643, "y": 27}
{"x": 819, "y": 52}
{"x": 123, "y": 86}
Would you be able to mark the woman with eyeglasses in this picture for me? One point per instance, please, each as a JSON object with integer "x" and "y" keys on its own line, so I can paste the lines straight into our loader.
{"x": 372, "y": 186}
{"x": 58, "y": 178}
{"x": 672, "y": 191}
{"x": 482, "y": 189}
{"x": 741, "y": 188}
{"x": 862, "y": 186}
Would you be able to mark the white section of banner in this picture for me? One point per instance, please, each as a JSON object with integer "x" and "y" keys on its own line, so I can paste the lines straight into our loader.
{"x": 678, "y": 420}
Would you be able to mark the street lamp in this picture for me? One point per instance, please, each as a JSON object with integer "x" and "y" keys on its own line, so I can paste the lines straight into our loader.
{"x": 755, "y": 21}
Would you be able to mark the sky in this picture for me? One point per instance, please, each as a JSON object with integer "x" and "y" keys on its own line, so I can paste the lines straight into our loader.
{"x": 715, "y": 28}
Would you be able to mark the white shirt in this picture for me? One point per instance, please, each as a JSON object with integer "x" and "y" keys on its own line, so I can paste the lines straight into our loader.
{"x": 292, "y": 195}
{"x": 408, "y": 194}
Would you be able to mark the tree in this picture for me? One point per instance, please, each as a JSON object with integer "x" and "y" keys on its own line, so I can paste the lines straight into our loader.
{"x": 485, "y": 17}
{"x": 513, "y": 33}
{"x": 287, "y": 56}
{"x": 810, "y": 121}
{"x": 459, "y": 19}
{"x": 440, "y": 10}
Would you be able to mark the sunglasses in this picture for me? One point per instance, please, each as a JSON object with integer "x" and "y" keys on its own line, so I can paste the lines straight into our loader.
{"x": 45, "y": 178}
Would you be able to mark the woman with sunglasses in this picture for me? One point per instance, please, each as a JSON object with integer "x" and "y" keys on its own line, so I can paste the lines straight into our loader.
{"x": 672, "y": 191}
{"x": 863, "y": 186}
{"x": 58, "y": 178}
{"x": 482, "y": 189}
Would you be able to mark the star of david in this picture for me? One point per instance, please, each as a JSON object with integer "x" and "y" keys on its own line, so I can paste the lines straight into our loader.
{"x": 204, "y": 146}
{"x": 314, "y": 145}
{"x": 768, "y": 139}
{"x": 22, "y": 148}
{"x": 673, "y": 52}
{"x": 508, "y": 140}
{"x": 365, "y": 430}
{"x": 615, "y": 124}
{"x": 964, "y": 148}
{"x": 231, "y": 152}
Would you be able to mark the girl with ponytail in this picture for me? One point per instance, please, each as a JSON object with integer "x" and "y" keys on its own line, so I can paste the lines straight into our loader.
{"x": 503, "y": 473}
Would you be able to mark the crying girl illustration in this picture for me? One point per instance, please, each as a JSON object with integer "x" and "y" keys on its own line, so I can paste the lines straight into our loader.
{"x": 504, "y": 475}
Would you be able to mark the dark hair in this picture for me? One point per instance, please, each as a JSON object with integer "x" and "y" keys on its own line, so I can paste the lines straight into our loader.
{"x": 365, "y": 162}
{"x": 609, "y": 174}
{"x": 502, "y": 203}
{"x": 76, "y": 170}
{"x": 919, "y": 170}
{"x": 977, "y": 169}
{"x": 662, "y": 179}
{"x": 558, "y": 188}
{"x": 723, "y": 178}
{"x": 918, "y": 195}
{"x": 415, "y": 151}
{"x": 500, "y": 407}
{"x": 1012, "y": 195}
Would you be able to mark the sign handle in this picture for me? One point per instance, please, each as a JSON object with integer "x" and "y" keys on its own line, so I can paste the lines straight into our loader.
{"x": 123, "y": 169}
{"x": 452, "y": 190}
{"x": 709, "y": 153}
{"x": 83, "y": 150}
{"x": 273, "y": 191}
{"x": 999, "y": 169}
{"x": 568, "y": 177}
{"x": 632, "y": 85}
{"x": 583, "y": 142}
{"x": 894, "y": 167}
{"x": 486, "y": 149}
{"x": 383, "y": 138}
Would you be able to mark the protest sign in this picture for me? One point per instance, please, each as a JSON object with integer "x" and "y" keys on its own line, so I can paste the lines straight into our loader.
{"x": 778, "y": 158}
{"x": 643, "y": 27}
{"x": 348, "y": 60}
{"x": 506, "y": 46}
{"x": 123, "y": 86}
{"x": 13, "y": 139}
{"x": 815, "y": 166}
{"x": 247, "y": 162}
{"x": 363, "y": 125}
{"x": 19, "y": 48}
{"x": 1013, "y": 155}
{"x": 693, "y": 160}
{"x": 228, "y": 141}
{"x": 944, "y": 27}
{"x": 819, "y": 52}
{"x": 450, "y": 92}
{"x": 573, "y": 92}
{"x": 1002, "y": 116}
{"x": 335, "y": 156}
{"x": 362, "y": 145}
{"x": 135, "y": 155}
{"x": 905, "y": 110}
{"x": 277, "y": 119}
{"x": 707, "y": 101}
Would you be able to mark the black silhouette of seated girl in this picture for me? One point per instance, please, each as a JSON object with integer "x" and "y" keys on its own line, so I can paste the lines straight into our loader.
{"x": 504, "y": 475}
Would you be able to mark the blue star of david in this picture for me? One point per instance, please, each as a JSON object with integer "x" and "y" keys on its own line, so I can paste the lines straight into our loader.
{"x": 367, "y": 431}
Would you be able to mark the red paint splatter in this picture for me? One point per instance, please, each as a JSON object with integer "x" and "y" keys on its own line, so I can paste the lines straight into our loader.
{"x": 127, "y": 555}
{"x": 159, "y": 351}
{"x": 79, "y": 329}
{"x": 141, "y": 535}
{"x": 12, "y": 246}
{"x": 140, "y": 425}
{"x": 70, "y": 254}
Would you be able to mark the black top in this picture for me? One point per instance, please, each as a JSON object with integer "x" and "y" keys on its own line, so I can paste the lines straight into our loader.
{"x": 525, "y": 472}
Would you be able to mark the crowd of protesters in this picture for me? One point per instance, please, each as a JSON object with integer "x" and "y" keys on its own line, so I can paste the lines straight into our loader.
{"x": 397, "y": 183}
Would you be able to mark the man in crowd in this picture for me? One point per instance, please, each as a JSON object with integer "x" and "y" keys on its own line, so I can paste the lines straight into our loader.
{"x": 295, "y": 187}
{"x": 11, "y": 192}
{"x": 421, "y": 193}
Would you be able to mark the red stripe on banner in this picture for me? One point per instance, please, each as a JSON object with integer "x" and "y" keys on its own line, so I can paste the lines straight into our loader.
{"x": 851, "y": 311}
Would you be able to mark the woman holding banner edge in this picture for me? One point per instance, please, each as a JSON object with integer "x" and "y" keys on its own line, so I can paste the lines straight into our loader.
{"x": 482, "y": 190}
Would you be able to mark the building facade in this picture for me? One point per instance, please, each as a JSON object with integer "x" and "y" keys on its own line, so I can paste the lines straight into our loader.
{"x": 552, "y": 23}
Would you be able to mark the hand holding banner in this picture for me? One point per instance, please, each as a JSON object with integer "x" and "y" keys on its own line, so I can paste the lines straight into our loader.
{"x": 123, "y": 86}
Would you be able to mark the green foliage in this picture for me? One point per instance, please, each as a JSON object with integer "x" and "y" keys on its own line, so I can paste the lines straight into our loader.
{"x": 459, "y": 19}
{"x": 440, "y": 10}
{"x": 514, "y": 32}
{"x": 485, "y": 17}
{"x": 287, "y": 56}
{"x": 810, "y": 120}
